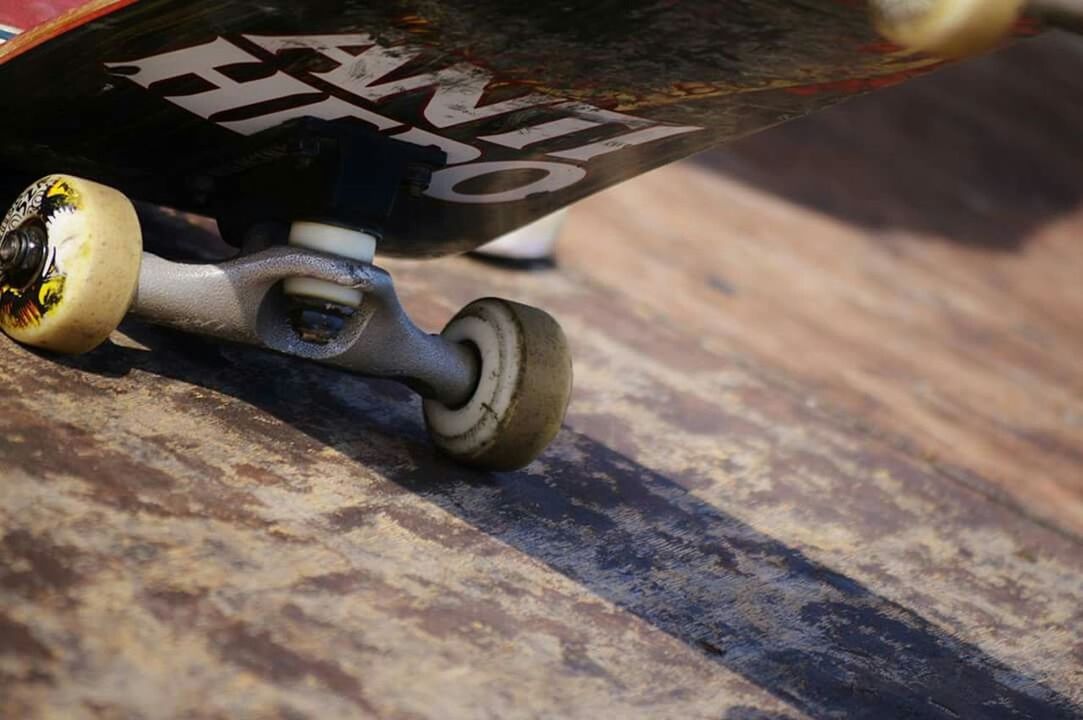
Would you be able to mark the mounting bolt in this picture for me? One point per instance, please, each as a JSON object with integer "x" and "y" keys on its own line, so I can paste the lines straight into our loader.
{"x": 416, "y": 178}
{"x": 22, "y": 255}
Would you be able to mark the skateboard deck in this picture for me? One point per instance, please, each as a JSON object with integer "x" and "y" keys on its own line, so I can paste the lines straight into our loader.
{"x": 535, "y": 106}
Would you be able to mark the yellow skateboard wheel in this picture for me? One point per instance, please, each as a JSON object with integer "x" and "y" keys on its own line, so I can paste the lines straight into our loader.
{"x": 84, "y": 269}
{"x": 946, "y": 28}
{"x": 523, "y": 388}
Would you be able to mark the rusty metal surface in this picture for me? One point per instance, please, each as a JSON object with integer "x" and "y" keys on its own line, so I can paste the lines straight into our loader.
{"x": 736, "y": 522}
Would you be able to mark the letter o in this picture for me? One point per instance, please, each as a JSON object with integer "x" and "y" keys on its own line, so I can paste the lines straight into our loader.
{"x": 557, "y": 177}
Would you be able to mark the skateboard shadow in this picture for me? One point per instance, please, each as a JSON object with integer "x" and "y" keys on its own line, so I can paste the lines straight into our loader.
{"x": 982, "y": 154}
{"x": 818, "y": 640}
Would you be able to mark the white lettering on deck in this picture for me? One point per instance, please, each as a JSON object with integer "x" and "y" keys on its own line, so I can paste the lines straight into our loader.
{"x": 357, "y": 85}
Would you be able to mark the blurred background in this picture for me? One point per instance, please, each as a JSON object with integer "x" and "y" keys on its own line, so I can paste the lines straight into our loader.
{"x": 914, "y": 255}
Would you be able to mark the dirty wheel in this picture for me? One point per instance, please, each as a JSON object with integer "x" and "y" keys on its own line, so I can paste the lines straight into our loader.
{"x": 70, "y": 251}
{"x": 946, "y": 28}
{"x": 522, "y": 392}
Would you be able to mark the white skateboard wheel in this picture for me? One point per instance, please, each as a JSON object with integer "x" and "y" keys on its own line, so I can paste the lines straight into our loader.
{"x": 331, "y": 240}
{"x": 946, "y": 28}
{"x": 90, "y": 269}
{"x": 522, "y": 393}
{"x": 536, "y": 241}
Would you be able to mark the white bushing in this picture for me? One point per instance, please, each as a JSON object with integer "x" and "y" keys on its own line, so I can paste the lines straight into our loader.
{"x": 331, "y": 240}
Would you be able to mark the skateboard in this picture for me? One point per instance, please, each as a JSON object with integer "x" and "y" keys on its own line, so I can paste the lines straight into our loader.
{"x": 319, "y": 133}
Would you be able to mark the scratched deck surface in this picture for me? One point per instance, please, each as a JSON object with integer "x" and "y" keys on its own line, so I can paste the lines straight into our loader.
{"x": 825, "y": 457}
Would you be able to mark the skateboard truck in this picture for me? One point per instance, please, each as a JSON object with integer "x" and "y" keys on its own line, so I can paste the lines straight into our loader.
{"x": 342, "y": 179}
{"x": 495, "y": 383}
{"x": 243, "y": 301}
{"x": 336, "y": 173}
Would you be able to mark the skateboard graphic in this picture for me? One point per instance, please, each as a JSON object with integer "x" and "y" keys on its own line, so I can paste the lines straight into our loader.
{"x": 319, "y": 133}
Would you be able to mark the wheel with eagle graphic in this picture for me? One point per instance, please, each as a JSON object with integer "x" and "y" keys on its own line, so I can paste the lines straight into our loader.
{"x": 946, "y": 28}
{"x": 70, "y": 251}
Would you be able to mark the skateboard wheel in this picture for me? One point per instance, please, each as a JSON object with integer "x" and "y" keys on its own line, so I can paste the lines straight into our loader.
{"x": 84, "y": 248}
{"x": 522, "y": 392}
{"x": 946, "y": 28}
{"x": 534, "y": 242}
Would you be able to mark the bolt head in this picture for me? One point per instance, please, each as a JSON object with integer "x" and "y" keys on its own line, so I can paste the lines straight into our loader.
{"x": 9, "y": 249}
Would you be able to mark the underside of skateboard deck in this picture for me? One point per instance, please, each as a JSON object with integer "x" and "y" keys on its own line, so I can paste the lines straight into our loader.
{"x": 318, "y": 133}
{"x": 534, "y": 105}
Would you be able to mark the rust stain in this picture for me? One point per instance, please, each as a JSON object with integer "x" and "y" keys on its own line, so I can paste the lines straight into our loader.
{"x": 17, "y": 639}
{"x": 259, "y": 653}
{"x": 34, "y": 566}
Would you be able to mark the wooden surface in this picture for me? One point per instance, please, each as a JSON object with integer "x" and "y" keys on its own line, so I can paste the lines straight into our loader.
{"x": 825, "y": 458}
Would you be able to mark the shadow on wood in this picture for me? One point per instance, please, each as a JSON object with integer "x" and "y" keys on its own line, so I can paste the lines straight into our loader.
{"x": 811, "y": 636}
